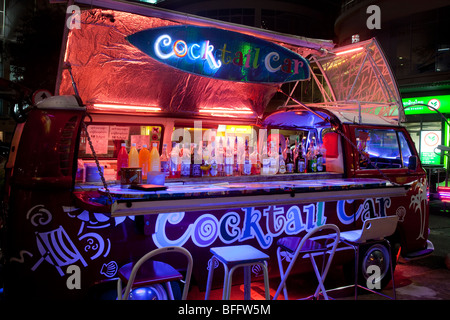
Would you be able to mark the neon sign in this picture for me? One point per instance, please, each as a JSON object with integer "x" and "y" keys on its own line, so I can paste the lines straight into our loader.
{"x": 221, "y": 54}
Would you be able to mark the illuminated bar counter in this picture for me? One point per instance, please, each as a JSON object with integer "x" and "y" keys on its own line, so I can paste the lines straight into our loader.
{"x": 216, "y": 194}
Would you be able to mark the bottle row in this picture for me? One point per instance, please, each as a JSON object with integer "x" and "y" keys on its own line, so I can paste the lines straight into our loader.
{"x": 215, "y": 158}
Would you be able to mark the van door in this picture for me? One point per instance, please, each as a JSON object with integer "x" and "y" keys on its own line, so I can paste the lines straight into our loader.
{"x": 389, "y": 153}
{"x": 385, "y": 152}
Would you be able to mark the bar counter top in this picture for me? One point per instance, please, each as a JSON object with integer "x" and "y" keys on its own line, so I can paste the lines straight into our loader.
{"x": 229, "y": 194}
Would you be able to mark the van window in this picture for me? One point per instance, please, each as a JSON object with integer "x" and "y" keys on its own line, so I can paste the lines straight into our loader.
{"x": 386, "y": 149}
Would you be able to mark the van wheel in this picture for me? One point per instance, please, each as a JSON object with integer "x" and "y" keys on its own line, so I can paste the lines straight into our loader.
{"x": 373, "y": 261}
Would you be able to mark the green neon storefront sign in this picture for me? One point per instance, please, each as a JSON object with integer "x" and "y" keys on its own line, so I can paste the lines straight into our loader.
{"x": 440, "y": 103}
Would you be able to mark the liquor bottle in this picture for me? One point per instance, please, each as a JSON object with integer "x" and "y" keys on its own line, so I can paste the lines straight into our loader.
{"x": 155, "y": 164}
{"x": 164, "y": 159}
{"x": 320, "y": 159}
{"x": 144, "y": 161}
{"x": 273, "y": 156}
{"x": 196, "y": 161}
{"x": 289, "y": 160}
{"x": 286, "y": 147}
{"x": 311, "y": 156}
{"x": 206, "y": 160}
{"x": 255, "y": 160}
{"x": 236, "y": 165}
{"x": 265, "y": 160}
{"x": 247, "y": 166}
{"x": 133, "y": 157}
{"x": 295, "y": 153}
{"x": 185, "y": 162}
{"x": 300, "y": 161}
{"x": 175, "y": 161}
{"x": 228, "y": 160}
{"x": 220, "y": 159}
{"x": 122, "y": 159}
{"x": 281, "y": 161}
{"x": 213, "y": 160}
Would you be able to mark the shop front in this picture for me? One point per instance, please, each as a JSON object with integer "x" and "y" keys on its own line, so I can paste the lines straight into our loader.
{"x": 427, "y": 120}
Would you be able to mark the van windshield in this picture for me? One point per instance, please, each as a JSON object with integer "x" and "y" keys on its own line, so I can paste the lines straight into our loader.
{"x": 382, "y": 148}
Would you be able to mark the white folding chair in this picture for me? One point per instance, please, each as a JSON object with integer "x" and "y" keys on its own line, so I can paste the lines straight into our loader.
{"x": 147, "y": 272}
{"x": 374, "y": 231}
{"x": 308, "y": 247}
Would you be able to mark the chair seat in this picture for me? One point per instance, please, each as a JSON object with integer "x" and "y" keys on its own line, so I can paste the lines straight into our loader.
{"x": 290, "y": 244}
{"x": 151, "y": 272}
{"x": 238, "y": 254}
{"x": 351, "y": 236}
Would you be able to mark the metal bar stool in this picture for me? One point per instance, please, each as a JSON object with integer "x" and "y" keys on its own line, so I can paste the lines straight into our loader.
{"x": 233, "y": 257}
{"x": 374, "y": 231}
{"x": 292, "y": 247}
{"x": 145, "y": 273}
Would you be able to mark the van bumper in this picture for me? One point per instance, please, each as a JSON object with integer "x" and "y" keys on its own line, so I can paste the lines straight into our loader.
{"x": 420, "y": 253}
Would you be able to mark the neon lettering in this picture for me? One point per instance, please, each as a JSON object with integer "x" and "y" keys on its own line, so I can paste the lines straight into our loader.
{"x": 252, "y": 228}
{"x": 160, "y": 238}
{"x": 165, "y": 40}
{"x": 229, "y": 230}
{"x": 267, "y": 61}
{"x": 365, "y": 211}
{"x": 180, "y": 49}
{"x": 263, "y": 226}
{"x": 208, "y": 55}
{"x": 294, "y": 221}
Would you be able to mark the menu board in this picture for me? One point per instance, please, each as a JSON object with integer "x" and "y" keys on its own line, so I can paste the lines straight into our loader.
{"x": 99, "y": 137}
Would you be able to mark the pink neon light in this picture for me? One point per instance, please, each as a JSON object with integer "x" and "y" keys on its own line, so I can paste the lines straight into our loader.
{"x": 349, "y": 51}
{"x": 101, "y": 106}
{"x": 226, "y": 111}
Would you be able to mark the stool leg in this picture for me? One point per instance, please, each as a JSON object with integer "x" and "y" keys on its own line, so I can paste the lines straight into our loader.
{"x": 247, "y": 283}
{"x": 266, "y": 280}
{"x": 320, "y": 279}
{"x": 356, "y": 270}
{"x": 280, "y": 266}
{"x": 210, "y": 277}
{"x": 227, "y": 279}
{"x": 169, "y": 291}
{"x": 392, "y": 270}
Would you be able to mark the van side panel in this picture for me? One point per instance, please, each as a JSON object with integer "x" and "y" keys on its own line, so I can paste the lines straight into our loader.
{"x": 41, "y": 236}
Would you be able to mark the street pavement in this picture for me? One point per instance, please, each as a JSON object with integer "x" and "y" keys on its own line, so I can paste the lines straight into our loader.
{"x": 429, "y": 278}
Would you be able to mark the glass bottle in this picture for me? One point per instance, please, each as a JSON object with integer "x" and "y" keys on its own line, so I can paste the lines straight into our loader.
{"x": 133, "y": 157}
{"x": 154, "y": 161}
{"x": 196, "y": 161}
{"x": 247, "y": 165}
{"x": 273, "y": 156}
{"x": 228, "y": 160}
{"x": 122, "y": 159}
{"x": 236, "y": 165}
{"x": 255, "y": 160}
{"x": 144, "y": 161}
{"x": 164, "y": 159}
{"x": 300, "y": 161}
{"x": 185, "y": 162}
{"x": 281, "y": 161}
{"x": 220, "y": 159}
{"x": 289, "y": 160}
{"x": 175, "y": 161}
{"x": 213, "y": 160}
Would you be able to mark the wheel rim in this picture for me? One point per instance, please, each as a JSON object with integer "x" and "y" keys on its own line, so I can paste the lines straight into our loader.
{"x": 378, "y": 256}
